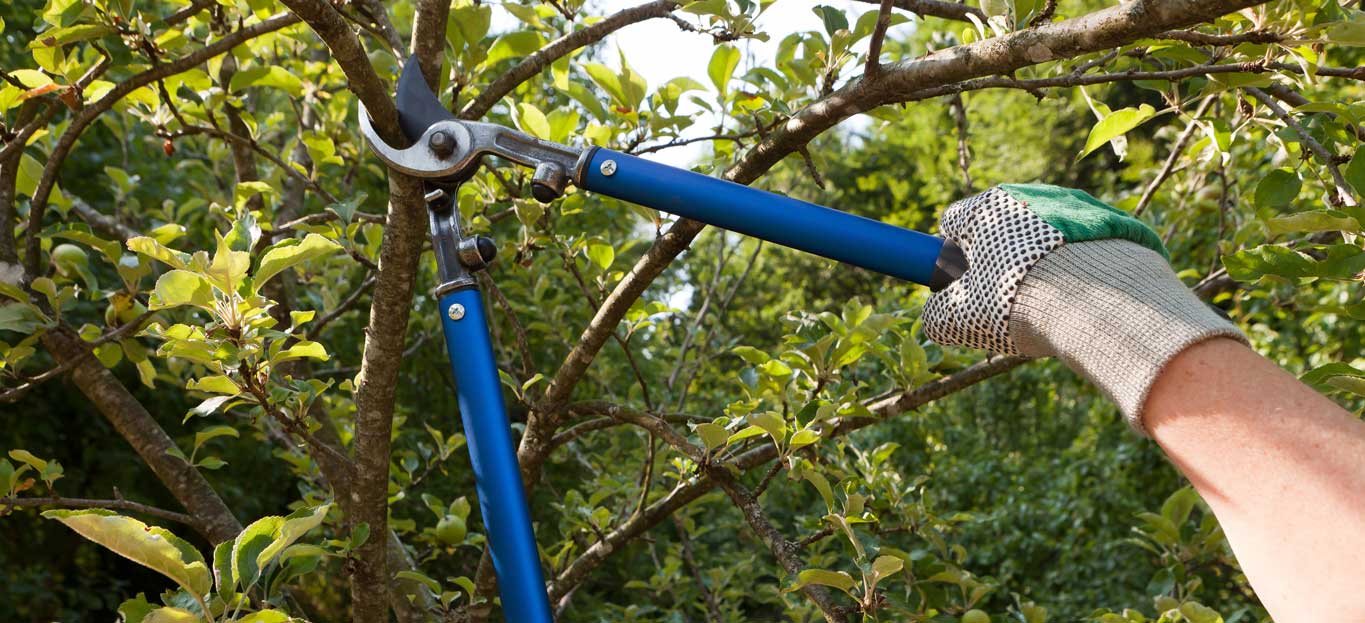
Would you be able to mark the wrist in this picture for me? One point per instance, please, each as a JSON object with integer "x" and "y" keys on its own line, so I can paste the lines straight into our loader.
{"x": 1114, "y": 312}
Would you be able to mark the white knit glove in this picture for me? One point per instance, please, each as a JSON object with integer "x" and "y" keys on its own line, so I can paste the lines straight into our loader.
{"x": 1055, "y": 272}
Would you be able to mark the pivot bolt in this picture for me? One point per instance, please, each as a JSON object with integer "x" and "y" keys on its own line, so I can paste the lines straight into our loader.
{"x": 455, "y": 311}
{"x": 608, "y": 168}
{"x": 442, "y": 144}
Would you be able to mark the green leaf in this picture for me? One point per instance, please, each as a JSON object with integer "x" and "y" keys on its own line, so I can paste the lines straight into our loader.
{"x": 1355, "y": 172}
{"x": 1269, "y": 259}
{"x": 803, "y": 438}
{"x": 604, "y": 77}
{"x": 750, "y": 354}
{"x": 833, "y": 18}
{"x": 267, "y": 76}
{"x": 71, "y": 34}
{"x": 751, "y": 431}
{"x": 248, "y": 546}
{"x": 822, "y": 577}
{"x": 31, "y": 78}
{"x": 771, "y": 423}
{"x": 1311, "y": 221}
{"x": 222, "y": 568}
{"x": 1324, "y": 377}
{"x": 1177, "y": 507}
{"x": 601, "y": 254}
{"x": 884, "y": 567}
{"x": 775, "y": 368}
{"x": 150, "y": 546}
{"x": 821, "y": 484}
{"x": 1277, "y": 189}
{"x": 202, "y": 437}
{"x": 265, "y": 616}
{"x": 722, "y": 67}
{"x": 514, "y": 44}
{"x": 420, "y": 578}
{"x": 228, "y": 267}
{"x": 1114, "y": 125}
{"x": 285, "y": 255}
{"x": 135, "y": 610}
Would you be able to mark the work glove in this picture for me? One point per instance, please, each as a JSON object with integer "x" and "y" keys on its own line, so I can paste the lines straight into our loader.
{"x": 1056, "y": 272}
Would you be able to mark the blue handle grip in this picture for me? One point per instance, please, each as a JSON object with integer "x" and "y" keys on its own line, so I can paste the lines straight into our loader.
{"x": 502, "y": 497}
{"x": 874, "y": 245}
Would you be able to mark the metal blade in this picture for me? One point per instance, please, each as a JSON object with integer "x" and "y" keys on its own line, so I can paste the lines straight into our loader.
{"x": 418, "y": 107}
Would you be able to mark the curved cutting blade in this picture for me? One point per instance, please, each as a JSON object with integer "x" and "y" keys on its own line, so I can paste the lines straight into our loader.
{"x": 418, "y": 107}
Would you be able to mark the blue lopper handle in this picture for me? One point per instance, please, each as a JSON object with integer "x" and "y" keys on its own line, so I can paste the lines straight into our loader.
{"x": 874, "y": 245}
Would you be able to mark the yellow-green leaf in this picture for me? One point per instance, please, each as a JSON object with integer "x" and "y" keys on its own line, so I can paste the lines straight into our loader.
{"x": 156, "y": 250}
{"x": 267, "y": 76}
{"x": 301, "y": 350}
{"x": 713, "y": 435}
{"x": 150, "y": 546}
{"x": 182, "y": 287}
{"x": 532, "y": 121}
{"x": 722, "y": 67}
{"x": 171, "y": 615}
{"x": 283, "y": 256}
{"x": 214, "y": 385}
{"x": 823, "y": 577}
{"x": 601, "y": 254}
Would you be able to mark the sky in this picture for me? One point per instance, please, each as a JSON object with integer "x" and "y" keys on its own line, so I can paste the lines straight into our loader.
{"x": 659, "y": 51}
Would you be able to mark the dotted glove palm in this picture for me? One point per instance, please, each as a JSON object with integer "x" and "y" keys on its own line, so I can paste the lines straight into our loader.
{"x": 1055, "y": 272}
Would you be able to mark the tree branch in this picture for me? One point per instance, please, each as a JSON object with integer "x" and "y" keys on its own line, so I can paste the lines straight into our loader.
{"x": 874, "y": 46}
{"x": 1344, "y": 195}
{"x": 87, "y": 115}
{"x": 130, "y": 418}
{"x": 937, "y": 8}
{"x": 785, "y": 551}
{"x": 117, "y": 504}
{"x": 1177, "y": 150}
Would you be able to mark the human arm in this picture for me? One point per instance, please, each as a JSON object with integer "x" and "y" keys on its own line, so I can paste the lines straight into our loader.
{"x": 1053, "y": 272}
{"x": 1283, "y": 469}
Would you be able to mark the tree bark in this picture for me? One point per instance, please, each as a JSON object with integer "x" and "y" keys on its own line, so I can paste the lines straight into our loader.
{"x": 212, "y": 517}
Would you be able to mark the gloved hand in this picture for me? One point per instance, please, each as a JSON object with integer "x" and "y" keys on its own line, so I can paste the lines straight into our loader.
{"x": 1055, "y": 272}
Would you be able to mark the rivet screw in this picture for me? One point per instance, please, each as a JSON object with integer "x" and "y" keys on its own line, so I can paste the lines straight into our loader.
{"x": 455, "y": 311}
{"x": 608, "y": 168}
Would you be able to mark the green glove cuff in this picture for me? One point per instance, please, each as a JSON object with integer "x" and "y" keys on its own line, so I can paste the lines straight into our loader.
{"x": 1083, "y": 218}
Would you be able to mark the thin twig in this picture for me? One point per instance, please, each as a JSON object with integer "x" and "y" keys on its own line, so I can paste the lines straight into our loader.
{"x": 1177, "y": 150}
{"x": 118, "y": 504}
{"x": 964, "y": 157}
{"x": 874, "y": 47}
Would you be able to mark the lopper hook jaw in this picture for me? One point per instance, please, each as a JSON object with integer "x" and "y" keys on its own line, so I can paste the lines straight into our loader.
{"x": 448, "y": 149}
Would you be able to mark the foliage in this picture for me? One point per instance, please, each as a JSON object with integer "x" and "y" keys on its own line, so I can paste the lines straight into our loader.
{"x": 207, "y": 224}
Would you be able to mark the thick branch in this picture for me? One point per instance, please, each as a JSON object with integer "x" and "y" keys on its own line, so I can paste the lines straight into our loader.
{"x": 1101, "y": 30}
{"x": 130, "y": 418}
{"x": 350, "y": 56}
